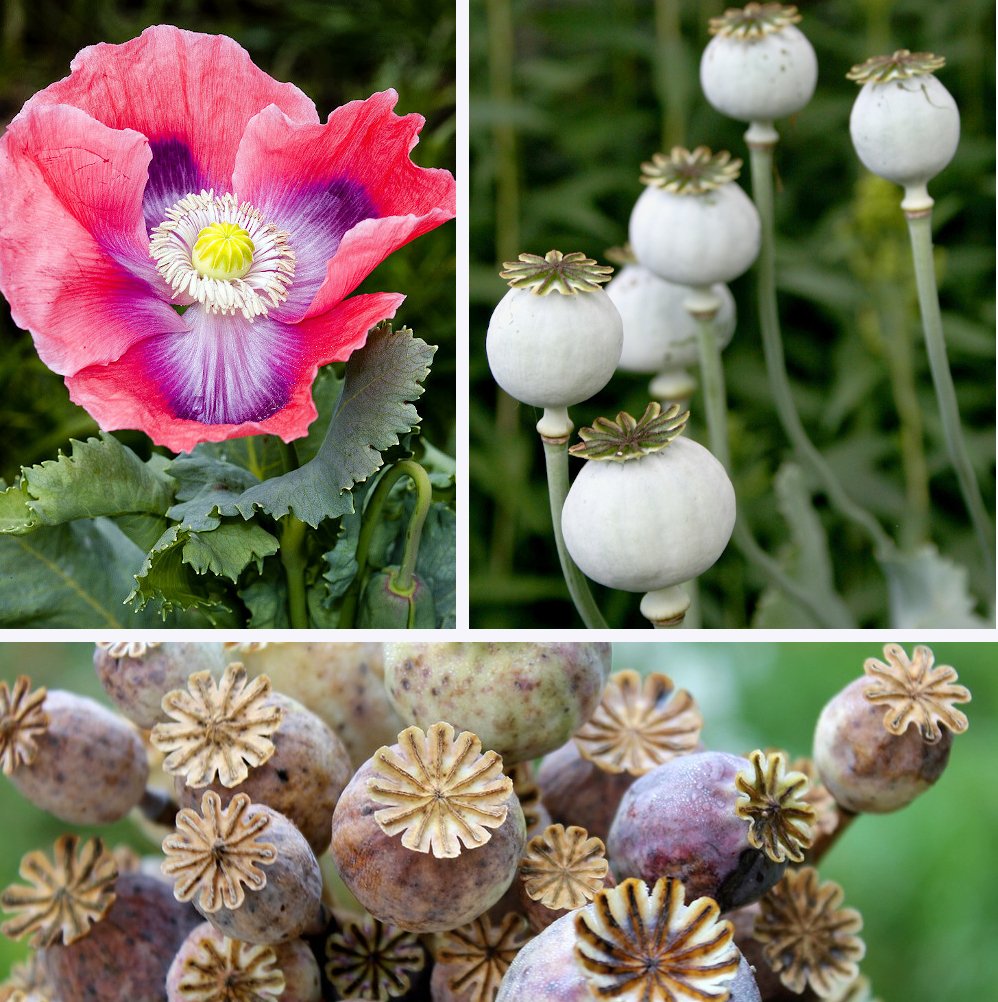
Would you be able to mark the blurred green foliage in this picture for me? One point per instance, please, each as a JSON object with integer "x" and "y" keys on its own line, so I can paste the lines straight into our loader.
{"x": 568, "y": 98}
{"x": 335, "y": 51}
{"x": 923, "y": 878}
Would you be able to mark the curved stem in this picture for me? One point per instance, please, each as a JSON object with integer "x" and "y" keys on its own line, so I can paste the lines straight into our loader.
{"x": 920, "y": 229}
{"x": 556, "y": 463}
{"x": 293, "y": 561}
{"x": 716, "y": 408}
{"x": 414, "y": 530}
{"x": 761, "y": 154}
{"x": 372, "y": 513}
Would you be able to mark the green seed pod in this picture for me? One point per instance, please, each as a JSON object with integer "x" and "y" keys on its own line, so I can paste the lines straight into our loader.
{"x": 386, "y": 605}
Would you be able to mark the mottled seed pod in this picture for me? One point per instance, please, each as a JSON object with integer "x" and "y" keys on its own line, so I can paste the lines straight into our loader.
{"x": 886, "y": 737}
{"x": 425, "y": 882}
{"x": 212, "y": 855}
{"x": 210, "y": 967}
{"x": 577, "y": 792}
{"x": 137, "y": 676}
{"x": 679, "y": 821}
{"x": 472, "y": 961}
{"x": 343, "y": 684}
{"x": 126, "y": 955}
{"x": 77, "y": 760}
{"x": 521, "y": 699}
{"x": 303, "y": 778}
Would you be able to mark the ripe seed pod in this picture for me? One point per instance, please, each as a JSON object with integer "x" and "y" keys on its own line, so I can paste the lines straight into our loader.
{"x": 341, "y": 683}
{"x": 758, "y": 66}
{"x": 904, "y": 124}
{"x": 212, "y": 855}
{"x": 555, "y": 337}
{"x": 437, "y": 791}
{"x": 692, "y": 224}
{"x": 650, "y": 510}
{"x": 521, "y": 699}
{"x": 679, "y": 820}
{"x": 138, "y": 675}
{"x": 875, "y": 761}
{"x": 387, "y": 605}
{"x": 69, "y": 755}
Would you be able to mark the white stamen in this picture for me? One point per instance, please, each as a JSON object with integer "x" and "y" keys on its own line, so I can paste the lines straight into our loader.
{"x": 264, "y": 286}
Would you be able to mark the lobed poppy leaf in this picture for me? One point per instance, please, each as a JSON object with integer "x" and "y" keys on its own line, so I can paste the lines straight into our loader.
{"x": 374, "y": 410}
{"x": 927, "y": 589}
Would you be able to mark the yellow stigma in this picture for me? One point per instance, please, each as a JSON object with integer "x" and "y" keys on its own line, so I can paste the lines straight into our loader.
{"x": 223, "y": 251}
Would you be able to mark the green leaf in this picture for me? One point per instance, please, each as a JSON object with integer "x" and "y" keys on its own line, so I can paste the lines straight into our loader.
{"x": 326, "y": 392}
{"x": 806, "y": 559}
{"x": 437, "y": 561}
{"x": 16, "y": 516}
{"x": 70, "y": 576}
{"x": 228, "y": 550}
{"x": 341, "y": 560}
{"x": 208, "y": 486}
{"x": 373, "y": 410}
{"x": 928, "y": 590}
{"x": 99, "y": 477}
{"x": 266, "y": 598}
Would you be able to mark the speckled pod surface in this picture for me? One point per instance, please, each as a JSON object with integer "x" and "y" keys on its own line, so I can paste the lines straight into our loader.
{"x": 125, "y": 956}
{"x": 414, "y": 890}
{"x": 302, "y": 779}
{"x": 343, "y": 684}
{"x": 863, "y": 765}
{"x": 138, "y": 684}
{"x": 290, "y": 903}
{"x": 91, "y": 767}
{"x": 545, "y": 970}
{"x": 679, "y": 821}
{"x": 522, "y": 700}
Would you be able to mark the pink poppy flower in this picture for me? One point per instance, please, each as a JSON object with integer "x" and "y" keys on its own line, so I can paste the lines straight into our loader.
{"x": 170, "y": 171}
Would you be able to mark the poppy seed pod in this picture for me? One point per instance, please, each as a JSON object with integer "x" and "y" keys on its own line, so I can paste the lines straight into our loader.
{"x": 758, "y": 66}
{"x": 692, "y": 225}
{"x": 904, "y": 124}
{"x": 555, "y": 337}
{"x": 650, "y": 509}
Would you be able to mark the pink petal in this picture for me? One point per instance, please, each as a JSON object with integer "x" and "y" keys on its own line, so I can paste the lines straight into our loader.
{"x": 191, "y": 94}
{"x": 74, "y": 256}
{"x": 225, "y": 377}
{"x": 346, "y": 191}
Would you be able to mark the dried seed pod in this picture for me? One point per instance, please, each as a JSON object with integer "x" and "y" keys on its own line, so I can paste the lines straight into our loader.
{"x": 473, "y": 959}
{"x": 521, "y": 699}
{"x": 419, "y": 891}
{"x": 807, "y": 936}
{"x": 372, "y": 957}
{"x": 210, "y": 967}
{"x": 563, "y": 868}
{"x": 28, "y": 982}
{"x": 679, "y": 821}
{"x": 137, "y": 675}
{"x": 219, "y": 728}
{"x": 212, "y": 855}
{"x": 85, "y": 765}
{"x": 535, "y": 814}
{"x": 874, "y": 760}
{"x": 577, "y": 792}
{"x": 302, "y": 779}
{"x": 771, "y": 800}
{"x": 343, "y": 684}
{"x": 66, "y": 896}
{"x": 125, "y": 956}
{"x": 639, "y": 725}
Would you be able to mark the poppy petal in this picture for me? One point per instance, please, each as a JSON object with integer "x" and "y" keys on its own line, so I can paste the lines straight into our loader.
{"x": 74, "y": 256}
{"x": 225, "y": 376}
{"x": 353, "y": 171}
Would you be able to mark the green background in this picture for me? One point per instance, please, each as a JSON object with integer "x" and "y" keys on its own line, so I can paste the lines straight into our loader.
{"x": 924, "y": 878}
{"x": 568, "y": 98}
{"x": 335, "y": 51}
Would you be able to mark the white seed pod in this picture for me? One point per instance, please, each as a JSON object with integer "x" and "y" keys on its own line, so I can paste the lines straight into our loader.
{"x": 555, "y": 337}
{"x": 904, "y": 124}
{"x": 758, "y": 66}
{"x": 653, "y": 520}
{"x": 692, "y": 225}
{"x": 659, "y": 332}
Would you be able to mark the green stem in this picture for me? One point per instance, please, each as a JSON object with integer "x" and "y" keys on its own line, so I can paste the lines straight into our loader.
{"x": 414, "y": 530}
{"x": 761, "y": 154}
{"x": 556, "y": 461}
{"x": 920, "y": 229}
{"x": 372, "y": 516}
{"x": 670, "y": 73}
{"x": 716, "y": 408}
{"x": 293, "y": 559}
